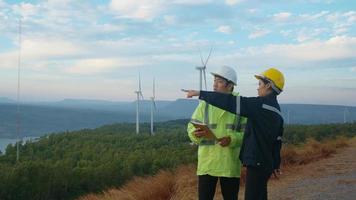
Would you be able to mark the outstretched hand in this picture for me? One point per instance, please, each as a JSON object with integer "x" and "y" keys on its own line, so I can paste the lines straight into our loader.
{"x": 191, "y": 93}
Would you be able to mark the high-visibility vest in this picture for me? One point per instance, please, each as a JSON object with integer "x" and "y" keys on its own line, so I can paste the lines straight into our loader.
{"x": 213, "y": 159}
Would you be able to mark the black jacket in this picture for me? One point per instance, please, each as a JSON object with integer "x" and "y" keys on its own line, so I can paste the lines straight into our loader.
{"x": 263, "y": 133}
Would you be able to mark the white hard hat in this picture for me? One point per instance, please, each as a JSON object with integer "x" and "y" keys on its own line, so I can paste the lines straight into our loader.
{"x": 226, "y": 72}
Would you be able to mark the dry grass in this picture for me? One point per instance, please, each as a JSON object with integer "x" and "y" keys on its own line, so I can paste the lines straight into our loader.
{"x": 311, "y": 151}
{"x": 185, "y": 183}
{"x": 159, "y": 187}
{"x": 182, "y": 185}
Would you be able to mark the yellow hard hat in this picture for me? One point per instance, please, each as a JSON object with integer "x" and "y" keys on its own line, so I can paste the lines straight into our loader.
{"x": 275, "y": 77}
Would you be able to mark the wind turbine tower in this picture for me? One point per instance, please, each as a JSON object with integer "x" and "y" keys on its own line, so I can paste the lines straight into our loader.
{"x": 139, "y": 96}
{"x": 153, "y": 105}
{"x": 202, "y": 70}
{"x": 345, "y": 112}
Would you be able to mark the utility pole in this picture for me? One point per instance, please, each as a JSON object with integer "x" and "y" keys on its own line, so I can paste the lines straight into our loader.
{"x": 18, "y": 98}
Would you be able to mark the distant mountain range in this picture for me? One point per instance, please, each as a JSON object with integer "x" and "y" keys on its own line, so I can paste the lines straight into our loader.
{"x": 71, "y": 114}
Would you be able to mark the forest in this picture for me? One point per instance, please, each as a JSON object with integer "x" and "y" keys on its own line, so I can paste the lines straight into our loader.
{"x": 69, "y": 164}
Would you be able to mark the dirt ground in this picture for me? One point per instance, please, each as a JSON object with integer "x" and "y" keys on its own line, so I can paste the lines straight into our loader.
{"x": 330, "y": 178}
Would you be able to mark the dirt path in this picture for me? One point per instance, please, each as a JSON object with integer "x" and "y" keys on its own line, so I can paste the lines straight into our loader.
{"x": 331, "y": 178}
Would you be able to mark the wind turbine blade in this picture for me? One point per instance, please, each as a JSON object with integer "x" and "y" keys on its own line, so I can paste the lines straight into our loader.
{"x": 207, "y": 59}
{"x": 205, "y": 78}
{"x": 141, "y": 95}
{"x": 201, "y": 58}
{"x": 139, "y": 82}
{"x": 154, "y": 90}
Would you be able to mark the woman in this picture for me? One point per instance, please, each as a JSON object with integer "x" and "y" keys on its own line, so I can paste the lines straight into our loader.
{"x": 263, "y": 133}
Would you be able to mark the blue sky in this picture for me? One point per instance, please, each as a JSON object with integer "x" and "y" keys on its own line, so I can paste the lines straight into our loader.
{"x": 95, "y": 49}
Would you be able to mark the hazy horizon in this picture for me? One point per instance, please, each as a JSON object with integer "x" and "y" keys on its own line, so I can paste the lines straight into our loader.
{"x": 147, "y": 100}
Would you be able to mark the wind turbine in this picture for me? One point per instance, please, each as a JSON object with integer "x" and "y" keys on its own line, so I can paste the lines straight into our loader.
{"x": 202, "y": 69}
{"x": 139, "y": 96}
{"x": 153, "y": 105}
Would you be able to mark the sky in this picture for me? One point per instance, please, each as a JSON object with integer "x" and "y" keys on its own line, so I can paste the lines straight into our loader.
{"x": 95, "y": 49}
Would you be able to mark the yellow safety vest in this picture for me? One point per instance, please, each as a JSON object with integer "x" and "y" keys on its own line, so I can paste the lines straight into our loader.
{"x": 213, "y": 159}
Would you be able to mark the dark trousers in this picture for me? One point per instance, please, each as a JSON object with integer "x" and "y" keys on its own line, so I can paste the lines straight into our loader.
{"x": 207, "y": 185}
{"x": 256, "y": 183}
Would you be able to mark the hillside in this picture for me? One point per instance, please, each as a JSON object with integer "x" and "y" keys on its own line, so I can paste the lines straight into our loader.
{"x": 70, "y": 164}
{"x": 65, "y": 165}
{"x": 42, "y": 118}
{"x": 328, "y": 169}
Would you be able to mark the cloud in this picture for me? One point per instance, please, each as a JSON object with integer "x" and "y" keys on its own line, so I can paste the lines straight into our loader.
{"x": 346, "y": 17}
{"x": 308, "y": 54}
{"x": 258, "y": 33}
{"x": 307, "y": 34}
{"x": 190, "y": 2}
{"x": 233, "y": 2}
{"x": 107, "y": 27}
{"x": 2, "y": 3}
{"x": 341, "y": 22}
{"x": 334, "y": 48}
{"x": 170, "y": 19}
{"x": 252, "y": 10}
{"x": 50, "y": 48}
{"x": 9, "y": 60}
{"x": 282, "y": 16}
{"x": 25, "y": 9}
{"x": 59, "y": 3}
{"x": 309, "y": 17}
{"x": 351, "y": 17}
{"x": 100, "y": 65}
{"x": 286, "y": 33}
{"x": 353, "y": 69}
{"x": 224, "y": 29}
{"x": 137, "y": 9}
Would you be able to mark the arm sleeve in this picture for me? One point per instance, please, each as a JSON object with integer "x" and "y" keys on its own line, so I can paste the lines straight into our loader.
{"x": 244, "y": 106}
{"x": 277, "y": 150}
{"x": 224, "y": 101}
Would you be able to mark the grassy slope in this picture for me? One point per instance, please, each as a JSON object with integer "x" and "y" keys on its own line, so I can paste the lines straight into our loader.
{"x": 182, "y": 182}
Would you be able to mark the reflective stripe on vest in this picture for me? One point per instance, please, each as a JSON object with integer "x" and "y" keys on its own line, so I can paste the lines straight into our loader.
{"x": 213, "y": 126}
{"x": 195, "y": 120}
{"x": 236, "y": 126}
{"x": 206, "y": 114}
{"x": 271, "y": 108}
{"x": 205, "y": 142}
{"x": 233, "y": 127}
{"x": 238, "y": 108}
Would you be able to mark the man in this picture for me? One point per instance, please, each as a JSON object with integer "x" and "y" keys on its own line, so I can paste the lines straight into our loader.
{"x": 218, "y": 159}
{"x": 260, "y": 151}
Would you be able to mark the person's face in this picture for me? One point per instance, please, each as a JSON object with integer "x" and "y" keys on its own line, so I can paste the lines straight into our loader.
{"x": 263, "y": 89}
{"x": 220, "y": 85}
